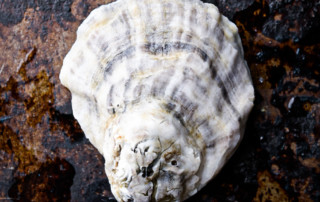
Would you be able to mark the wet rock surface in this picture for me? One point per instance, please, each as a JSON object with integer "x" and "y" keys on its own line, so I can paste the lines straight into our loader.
{"x": 45, "y": 155}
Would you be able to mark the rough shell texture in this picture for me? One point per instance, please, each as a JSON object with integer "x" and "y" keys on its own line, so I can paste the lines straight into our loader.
{"x": 161, "y": 89}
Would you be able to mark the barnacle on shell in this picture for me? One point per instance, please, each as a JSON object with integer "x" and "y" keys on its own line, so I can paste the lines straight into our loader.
{"x": 161, "y": 89}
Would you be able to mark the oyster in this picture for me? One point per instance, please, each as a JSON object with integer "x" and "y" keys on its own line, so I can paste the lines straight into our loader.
{"x": 161, "y": 89}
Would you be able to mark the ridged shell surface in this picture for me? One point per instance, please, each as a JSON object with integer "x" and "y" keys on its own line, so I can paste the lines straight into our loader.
{"x": 161, "y": 89}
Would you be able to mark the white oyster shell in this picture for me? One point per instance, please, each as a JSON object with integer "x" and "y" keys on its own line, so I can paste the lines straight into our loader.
{"x": 161, "y": 89}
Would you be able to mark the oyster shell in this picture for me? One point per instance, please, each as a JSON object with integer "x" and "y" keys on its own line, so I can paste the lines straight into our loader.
{"x": 161, "y": 89}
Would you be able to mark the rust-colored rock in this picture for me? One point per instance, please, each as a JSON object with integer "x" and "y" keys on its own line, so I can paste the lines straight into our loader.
{"x": 43, "y": 147}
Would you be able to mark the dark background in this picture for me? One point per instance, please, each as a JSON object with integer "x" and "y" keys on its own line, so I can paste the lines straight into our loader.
{"x": 44, "y": 155}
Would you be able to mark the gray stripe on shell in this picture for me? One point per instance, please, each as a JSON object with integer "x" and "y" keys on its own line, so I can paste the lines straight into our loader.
{"x": 226, "y": 96}
{"x": 164, "y": 49}
{"x": 110, "y": 100}
{"x": 123, "y": 54}
{"x": 127, "y": 85}
{"x": 161, "y": 82}
{"x": 188, "y": 107}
